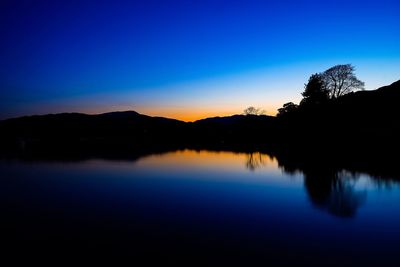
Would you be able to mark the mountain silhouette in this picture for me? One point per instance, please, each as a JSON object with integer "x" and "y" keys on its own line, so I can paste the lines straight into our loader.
{"x": 79, "y": 133}
{"x": 365, "y": 119}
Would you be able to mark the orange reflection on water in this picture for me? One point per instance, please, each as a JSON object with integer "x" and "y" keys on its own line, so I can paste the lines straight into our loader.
{"x": 202, "y": 159}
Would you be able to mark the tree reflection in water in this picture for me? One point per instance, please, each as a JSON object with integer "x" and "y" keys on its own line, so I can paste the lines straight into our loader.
{"x": 256, "y": 160}
{"x": 334, "y": 191}
{"x": 329, "y": 189}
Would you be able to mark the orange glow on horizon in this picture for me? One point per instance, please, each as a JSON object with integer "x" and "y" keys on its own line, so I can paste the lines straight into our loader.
{"x": 191, "y": 115}
{"x": 183, "y": 113}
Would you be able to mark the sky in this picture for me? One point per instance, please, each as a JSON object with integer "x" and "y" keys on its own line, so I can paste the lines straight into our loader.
{"x": 185, "y": 59}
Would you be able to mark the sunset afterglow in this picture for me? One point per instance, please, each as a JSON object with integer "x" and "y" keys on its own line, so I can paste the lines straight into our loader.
{"x": 183, "y": 59}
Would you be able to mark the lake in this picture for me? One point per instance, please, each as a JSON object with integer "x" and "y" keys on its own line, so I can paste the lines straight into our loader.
{"x": 205, "y": 207}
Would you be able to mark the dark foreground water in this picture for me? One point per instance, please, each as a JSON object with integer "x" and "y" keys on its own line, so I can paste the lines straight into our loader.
{"x": 216, "y": 208}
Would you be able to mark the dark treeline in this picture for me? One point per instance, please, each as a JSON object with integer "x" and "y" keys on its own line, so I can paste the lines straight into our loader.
{"x": 354, "y": 120}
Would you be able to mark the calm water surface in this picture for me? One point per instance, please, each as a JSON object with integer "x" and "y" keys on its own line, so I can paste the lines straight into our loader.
{"x": 200, "y": 206}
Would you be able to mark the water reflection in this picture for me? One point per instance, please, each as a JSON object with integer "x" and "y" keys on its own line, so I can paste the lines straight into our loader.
{"x": 334, "y": 192}
{"x": 329, "y": 189}
{"x": 257, "y": 160}
{"x": 195, "y": 203}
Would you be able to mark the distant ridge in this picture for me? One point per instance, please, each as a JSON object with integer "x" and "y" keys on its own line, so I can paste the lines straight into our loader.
{"x": 233, "y": 119}
{"x": 76, "y": 131}
{"x": 365, "y": 118}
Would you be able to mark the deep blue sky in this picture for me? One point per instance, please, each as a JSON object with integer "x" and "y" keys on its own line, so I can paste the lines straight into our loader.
{"x": 185, "y": 59}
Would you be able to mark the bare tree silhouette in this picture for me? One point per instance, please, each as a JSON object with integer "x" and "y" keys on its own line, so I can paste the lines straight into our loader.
{"x": 340, "y": 80}
{"x": 253, "y": 111}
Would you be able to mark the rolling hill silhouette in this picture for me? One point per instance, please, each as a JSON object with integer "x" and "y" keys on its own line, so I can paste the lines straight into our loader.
{"x": 69, "y": 132}
{"x": 362, "y": 119}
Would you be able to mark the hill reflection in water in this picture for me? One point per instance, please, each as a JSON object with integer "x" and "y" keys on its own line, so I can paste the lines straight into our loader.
{"x": 219, "y": 206}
